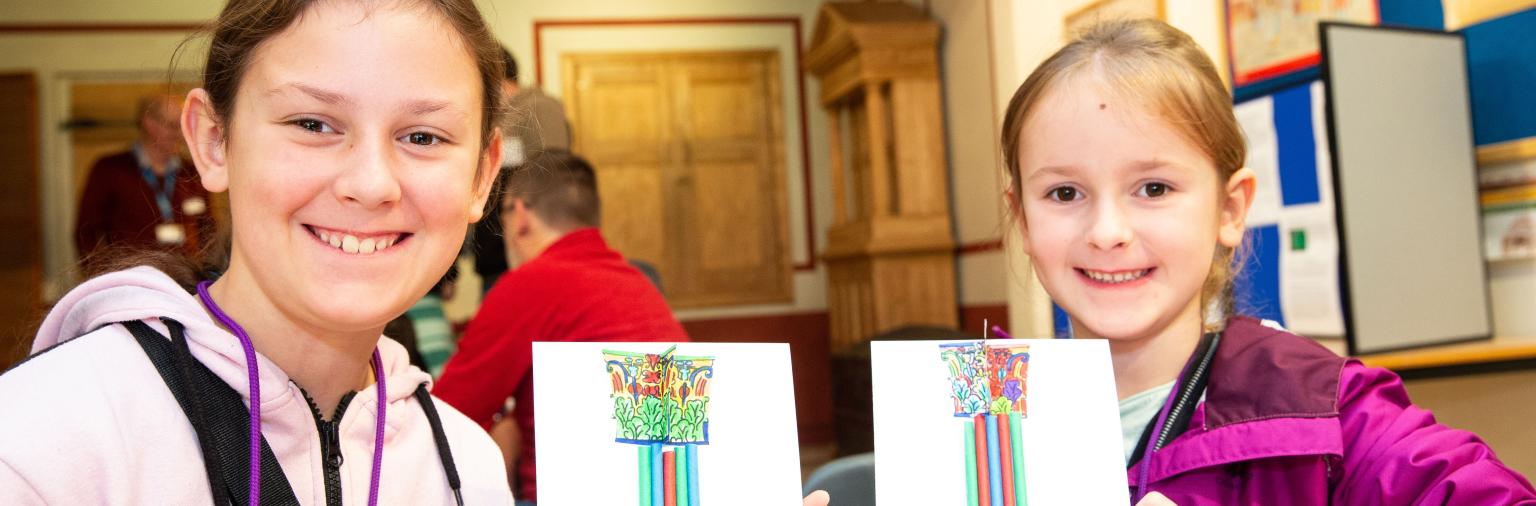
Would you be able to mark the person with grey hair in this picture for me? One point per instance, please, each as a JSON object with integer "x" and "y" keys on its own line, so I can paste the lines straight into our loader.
{"x": 147, "y": 196}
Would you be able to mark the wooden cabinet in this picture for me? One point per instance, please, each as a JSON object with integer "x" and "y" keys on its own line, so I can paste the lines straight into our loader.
{"x": 689, "y": 153}
{"x": 890, "y": 251}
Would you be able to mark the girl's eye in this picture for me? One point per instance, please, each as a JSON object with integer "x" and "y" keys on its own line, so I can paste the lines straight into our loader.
{"x": 313, "y": 125}
{"x": 422, "y": 138}
{"x": 1153, "y": 190}
{"x": 1063, "y": 194}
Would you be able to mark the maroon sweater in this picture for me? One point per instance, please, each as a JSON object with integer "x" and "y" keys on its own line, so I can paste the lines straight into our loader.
{"x": 578, "y": 290}
{"x": 118, "y": 207}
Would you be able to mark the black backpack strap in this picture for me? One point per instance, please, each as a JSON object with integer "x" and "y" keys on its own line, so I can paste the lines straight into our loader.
{"x": 219, "y": 416}
{"x": 444, "y": 454}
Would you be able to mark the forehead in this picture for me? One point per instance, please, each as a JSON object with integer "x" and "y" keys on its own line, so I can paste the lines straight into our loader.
{"x": 1082, "y": 121}
{"x": 374, "y": 53}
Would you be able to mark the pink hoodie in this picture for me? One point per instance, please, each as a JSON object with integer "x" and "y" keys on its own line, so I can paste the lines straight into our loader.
{"x": 88, "y": 420}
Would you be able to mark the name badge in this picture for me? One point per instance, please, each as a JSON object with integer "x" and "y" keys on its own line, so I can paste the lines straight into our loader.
{"x": 170, "y": 233}
{"x": 194, "y": 206}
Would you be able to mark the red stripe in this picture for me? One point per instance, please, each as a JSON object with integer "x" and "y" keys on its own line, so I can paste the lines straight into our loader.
{"x": 983, "y": 483}
{"x": 669, "y": 477}
{"x": 1281, "y": 68}
{"x": 1005, "y": 446}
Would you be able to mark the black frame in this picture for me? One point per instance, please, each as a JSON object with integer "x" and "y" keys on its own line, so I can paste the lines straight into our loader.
{"x": 1345, "y": 294}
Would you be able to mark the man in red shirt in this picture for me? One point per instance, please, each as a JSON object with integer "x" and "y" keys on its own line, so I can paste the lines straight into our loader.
{"x": 566, "y": 285}
{"x": 148, "y": 196}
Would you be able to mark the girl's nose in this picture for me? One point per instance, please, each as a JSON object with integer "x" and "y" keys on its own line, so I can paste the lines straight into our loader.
{"x": 1109, "y": 228}
{"x": 369, "y": 179}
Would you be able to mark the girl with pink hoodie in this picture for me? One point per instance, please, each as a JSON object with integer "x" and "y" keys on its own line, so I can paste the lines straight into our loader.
{"x": 357, "y": 142}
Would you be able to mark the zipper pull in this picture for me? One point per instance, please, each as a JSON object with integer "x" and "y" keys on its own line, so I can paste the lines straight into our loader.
{"x": 332, "y": 447}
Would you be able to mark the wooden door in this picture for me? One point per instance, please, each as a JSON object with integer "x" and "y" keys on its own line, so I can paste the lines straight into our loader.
{"x": 21, "y": 269}
{"x": 689, "y": 153}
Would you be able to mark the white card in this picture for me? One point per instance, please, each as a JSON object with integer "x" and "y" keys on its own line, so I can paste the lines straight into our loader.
{"x": 1069, "y": 442}
{"x": 752, "y": 454}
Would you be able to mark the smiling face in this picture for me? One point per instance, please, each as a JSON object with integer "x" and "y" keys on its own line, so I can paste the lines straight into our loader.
{"x": 1122, "y": 215}
{"x": 353, "y": 162}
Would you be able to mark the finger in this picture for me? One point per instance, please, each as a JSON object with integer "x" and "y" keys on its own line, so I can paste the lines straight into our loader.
{"x": 1155, "y": 499}
{"x": 818, "y": 498}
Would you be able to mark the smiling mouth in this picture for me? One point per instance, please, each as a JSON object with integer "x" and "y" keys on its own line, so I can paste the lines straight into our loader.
{"x": 1116, "y": 277}
{"x": 354, "y": 244}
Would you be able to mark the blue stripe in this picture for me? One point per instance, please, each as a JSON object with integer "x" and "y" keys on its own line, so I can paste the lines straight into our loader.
{"x": 1429, "y": 14}
{"x": 1297, "y": 145}
{"x": 1060, "y": 324}
{"x": 1257, "y": 287}
{"x": 1501, "y": 64}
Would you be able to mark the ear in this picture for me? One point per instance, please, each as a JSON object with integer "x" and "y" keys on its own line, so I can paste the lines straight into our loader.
{"x": 206, "y": 143}
{"x": 1016, "y": 215}
{"x": 1237, "y": 199}
{"x": 490, "y": 167}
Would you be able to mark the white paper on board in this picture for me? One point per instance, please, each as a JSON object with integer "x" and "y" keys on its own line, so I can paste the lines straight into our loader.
{"x": 1257, "y": 120}
{"x": 753, "y": 455}
{"x": 1072, "y": 441}
{"x": 1309, "y": 271}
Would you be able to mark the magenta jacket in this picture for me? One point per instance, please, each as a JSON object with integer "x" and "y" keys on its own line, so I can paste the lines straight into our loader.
{"x": 1285, "y": 421}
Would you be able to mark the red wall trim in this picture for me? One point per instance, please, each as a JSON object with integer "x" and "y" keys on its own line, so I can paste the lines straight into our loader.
{"x": 98, "y": 27}
{"x": 978, "y": 247}
{"x": 805, "y": 137}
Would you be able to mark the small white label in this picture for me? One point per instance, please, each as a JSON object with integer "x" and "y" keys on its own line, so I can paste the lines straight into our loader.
{"x": 194, "y": 206}
{"x": 170, "y": 233}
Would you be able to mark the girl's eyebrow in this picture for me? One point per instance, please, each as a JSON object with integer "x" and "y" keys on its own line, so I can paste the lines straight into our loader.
{"x": 323, "y": 95}
{"x": 1062, "y": 170}
{"x": 419, "y": 107}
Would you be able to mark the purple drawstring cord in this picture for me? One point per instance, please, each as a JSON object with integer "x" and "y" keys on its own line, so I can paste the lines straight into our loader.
{"x": 255, "y": 407}
{"x": 250, "y": 368}
{"x": 999, "y": 331}
{"x": 378, "y": 429}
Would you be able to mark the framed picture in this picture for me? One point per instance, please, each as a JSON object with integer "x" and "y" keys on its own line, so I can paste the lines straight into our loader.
{"x": 1269, "y": 38}
{"x": 1100, "y": 10}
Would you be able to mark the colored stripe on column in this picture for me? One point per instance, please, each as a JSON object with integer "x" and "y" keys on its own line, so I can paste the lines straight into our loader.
{"x": 994, "y": 463}
{"x": 693, "y": 475}
{"x": 1005, "y": 450}
{"x": 983, "y": 489}
{"x": 645, "y": 475}
{"x": 1016, "y": 430}
{"x": 680, "y": 456}
{"x": 970, "y": 463}
{"x": 656, "y": 486}
{"x": 669, "y": 477}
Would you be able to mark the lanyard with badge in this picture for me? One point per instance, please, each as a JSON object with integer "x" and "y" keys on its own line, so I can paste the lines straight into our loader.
{"x": 167, "y": 231}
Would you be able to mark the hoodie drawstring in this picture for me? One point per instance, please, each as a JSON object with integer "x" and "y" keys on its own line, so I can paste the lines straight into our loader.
{"x": 255, "y": 406}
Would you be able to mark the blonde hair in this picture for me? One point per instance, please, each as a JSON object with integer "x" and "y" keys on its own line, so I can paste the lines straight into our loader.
{"x": 1163, "y": 69}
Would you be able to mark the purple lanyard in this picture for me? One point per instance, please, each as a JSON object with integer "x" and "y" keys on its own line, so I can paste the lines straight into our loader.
{"x": 255, "y": 407}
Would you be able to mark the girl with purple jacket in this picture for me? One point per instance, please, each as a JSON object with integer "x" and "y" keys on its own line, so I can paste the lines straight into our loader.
{"x": 1126, "y": 180}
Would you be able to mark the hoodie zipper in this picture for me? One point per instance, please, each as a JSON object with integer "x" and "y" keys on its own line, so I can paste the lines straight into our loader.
{"x": 330, "y": 445}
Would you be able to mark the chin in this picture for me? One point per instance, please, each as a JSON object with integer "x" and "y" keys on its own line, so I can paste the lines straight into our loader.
{"x": 344, "y": 310}
{"x": 1118, "y": 327}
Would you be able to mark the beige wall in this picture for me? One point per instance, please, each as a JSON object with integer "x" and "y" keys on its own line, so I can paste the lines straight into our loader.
{"x": 1497, "y": 407}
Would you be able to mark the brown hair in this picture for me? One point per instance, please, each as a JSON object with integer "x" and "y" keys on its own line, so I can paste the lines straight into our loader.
{"x": 561, "y": 188}
{"x": 1162, "y": 68}
{"x": 239, "y": 31}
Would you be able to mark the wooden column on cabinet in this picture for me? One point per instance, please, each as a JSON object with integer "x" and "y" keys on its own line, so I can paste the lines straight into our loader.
{"x": 890, "y": 251}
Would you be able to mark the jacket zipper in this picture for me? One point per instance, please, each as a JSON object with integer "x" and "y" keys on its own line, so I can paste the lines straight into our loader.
{"x": 330, "y": 445}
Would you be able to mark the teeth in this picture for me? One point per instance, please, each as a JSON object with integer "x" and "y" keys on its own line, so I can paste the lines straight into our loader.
{"x": 1119, "y": 277}
{"x": 351, "y": 244}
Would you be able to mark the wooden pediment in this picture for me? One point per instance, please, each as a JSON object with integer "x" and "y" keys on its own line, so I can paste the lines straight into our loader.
{"x": 846, "y": 31}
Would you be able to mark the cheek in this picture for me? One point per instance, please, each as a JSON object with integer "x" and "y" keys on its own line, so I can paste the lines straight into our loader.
{"x": 440, "y": 195}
